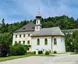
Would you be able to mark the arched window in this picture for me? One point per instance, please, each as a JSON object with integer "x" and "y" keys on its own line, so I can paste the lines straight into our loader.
{"x": 38, "y": 42}
{"x": 55, "y": 41}
{"x": 46, "y": 41}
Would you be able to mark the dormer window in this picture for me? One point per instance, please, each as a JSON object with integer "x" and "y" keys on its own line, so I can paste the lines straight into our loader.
{"x": 24, "y": 28}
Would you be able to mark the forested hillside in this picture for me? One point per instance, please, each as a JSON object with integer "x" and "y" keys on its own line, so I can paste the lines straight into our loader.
{"x": 64, "y": 22}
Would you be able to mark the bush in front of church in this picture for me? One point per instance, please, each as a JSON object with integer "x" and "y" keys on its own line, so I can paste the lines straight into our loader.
{"x": 47, "y": 52}
{"x": 4, "y": 50}
{"x": 40, "y": 52}
{"x": 18, "y": 49}
{"x": 27, "y": 47}
{"x": 55, "y": 52}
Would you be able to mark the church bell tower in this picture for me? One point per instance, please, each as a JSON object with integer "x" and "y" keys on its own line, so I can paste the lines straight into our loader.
{"x": 38, "y": 23}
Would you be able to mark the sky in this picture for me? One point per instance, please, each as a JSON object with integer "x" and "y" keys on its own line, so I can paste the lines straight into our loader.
{"x": 18, "y": 10}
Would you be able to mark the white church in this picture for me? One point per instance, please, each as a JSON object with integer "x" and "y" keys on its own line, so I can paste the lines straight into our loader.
{"x": 48, "y": 39}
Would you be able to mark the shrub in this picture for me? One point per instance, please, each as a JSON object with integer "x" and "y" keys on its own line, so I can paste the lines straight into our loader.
{"x": 40, "y": 52}
{"x": 18, "y": 49}
{"x": 27, "y": 47}
{"x": 76, "y": 50}
{"x": 32, "y": 52}
{"x": 4, "y": 50}
{"x": 55, "y": 52}
{"x": 47, "y": 52}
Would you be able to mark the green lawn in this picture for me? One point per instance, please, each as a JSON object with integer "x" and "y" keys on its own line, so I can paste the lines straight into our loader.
{"x": 11, "y": 57}
{"x": 22, "y": 56}
{"x": 14, "y": 57}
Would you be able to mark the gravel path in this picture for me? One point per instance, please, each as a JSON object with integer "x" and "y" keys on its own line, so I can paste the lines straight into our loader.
{"x": 57, "y": 59}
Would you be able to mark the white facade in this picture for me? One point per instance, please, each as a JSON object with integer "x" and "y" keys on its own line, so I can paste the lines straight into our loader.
{"x": 42, "y": 44}
{"x": 25, "y": 36}
{"x": 59, "y": 47}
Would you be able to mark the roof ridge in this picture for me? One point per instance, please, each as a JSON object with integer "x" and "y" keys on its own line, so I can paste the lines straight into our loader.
{"x": 50, "y": 27}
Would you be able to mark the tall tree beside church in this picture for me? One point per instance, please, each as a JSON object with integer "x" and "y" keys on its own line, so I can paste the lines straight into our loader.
{"x": 75, "y": 41}
{"x": 3, "y": 26}
{"x": 3, "y": 23}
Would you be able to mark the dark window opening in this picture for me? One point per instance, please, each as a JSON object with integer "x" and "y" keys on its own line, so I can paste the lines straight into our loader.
{"x": 55, "y": 41}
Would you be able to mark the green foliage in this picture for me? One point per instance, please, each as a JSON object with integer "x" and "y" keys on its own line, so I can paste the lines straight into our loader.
{"x": 31, "y": 53}
{"x": 40, "y": 52}
{"x": 75, "y": 41}
{"x": 55, "y": 52}
{"x": 68, "y": 41}
{"x": 4, "y": 50}
{"x": 47, "y": 52}
{"x": 72, "y": 42}
{"x": 64, "y": 22}
{"x": 18, "y": 49}
{"x": 6, "y": 38}
{"x": 27, "y": 47}
{"x": 6, "y": 31}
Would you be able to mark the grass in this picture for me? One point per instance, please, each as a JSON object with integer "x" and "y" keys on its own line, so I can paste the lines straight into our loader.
{"x": 21, "y": 56}
{"x": 72, "y": 53}
{"x": 11, "y": 58}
